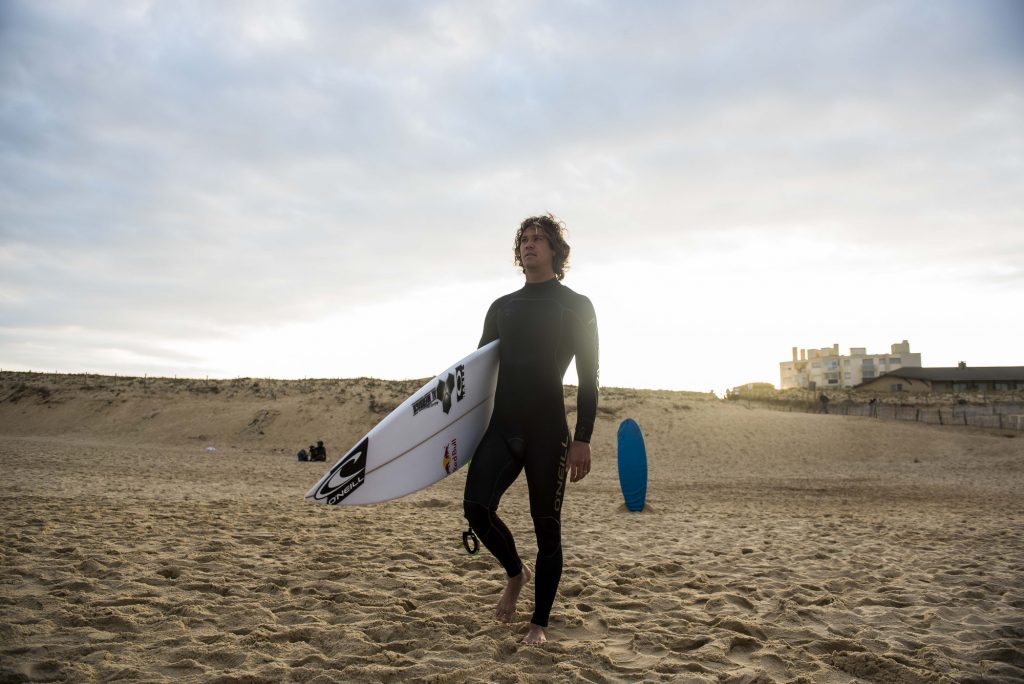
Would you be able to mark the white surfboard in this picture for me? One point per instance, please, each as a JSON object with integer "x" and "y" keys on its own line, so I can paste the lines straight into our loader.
{"x": 428, "y": 437}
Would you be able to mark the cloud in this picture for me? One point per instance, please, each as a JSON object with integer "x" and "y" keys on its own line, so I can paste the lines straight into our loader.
{"x": 179, "y": 169}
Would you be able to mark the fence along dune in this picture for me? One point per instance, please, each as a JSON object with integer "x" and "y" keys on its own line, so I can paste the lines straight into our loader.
{"x": 1000, "y": 410}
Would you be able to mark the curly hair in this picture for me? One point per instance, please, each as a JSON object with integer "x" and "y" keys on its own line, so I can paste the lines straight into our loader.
{"x": 554, "y": 230}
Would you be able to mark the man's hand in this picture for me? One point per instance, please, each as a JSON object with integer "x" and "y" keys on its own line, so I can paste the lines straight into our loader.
{"x": 578, "y": 462}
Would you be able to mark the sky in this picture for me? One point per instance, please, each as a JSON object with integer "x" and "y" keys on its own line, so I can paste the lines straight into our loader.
{"x": 331, "y": 189}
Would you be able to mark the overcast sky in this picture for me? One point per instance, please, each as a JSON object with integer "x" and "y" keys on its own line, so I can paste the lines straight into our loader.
{"x": 331, "y": 189}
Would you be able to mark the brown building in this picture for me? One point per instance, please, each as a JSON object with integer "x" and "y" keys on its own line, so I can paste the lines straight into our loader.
{"x": 981, "y": 380}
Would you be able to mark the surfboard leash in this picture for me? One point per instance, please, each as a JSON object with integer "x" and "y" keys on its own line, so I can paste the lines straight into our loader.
{"x": 467, "y": 536}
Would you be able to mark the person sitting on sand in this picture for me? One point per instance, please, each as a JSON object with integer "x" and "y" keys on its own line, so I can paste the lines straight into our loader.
{"x": 320, "y": 453}
{"x": 541, "y": 328}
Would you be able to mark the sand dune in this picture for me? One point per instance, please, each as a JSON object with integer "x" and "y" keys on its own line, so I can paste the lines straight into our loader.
{"x": 777, "y": 547}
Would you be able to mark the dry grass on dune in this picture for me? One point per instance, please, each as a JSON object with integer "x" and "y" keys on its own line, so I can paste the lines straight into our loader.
{"x": 777, "y": 546}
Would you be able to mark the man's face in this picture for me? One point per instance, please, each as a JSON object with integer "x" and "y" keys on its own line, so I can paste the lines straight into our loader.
{"x": 534, "y": 249}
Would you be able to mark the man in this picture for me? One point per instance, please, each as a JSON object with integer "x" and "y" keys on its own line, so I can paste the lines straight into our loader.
{"x": 541, "y": 327}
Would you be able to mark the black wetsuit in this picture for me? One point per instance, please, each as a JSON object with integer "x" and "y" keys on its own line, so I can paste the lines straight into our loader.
{"x": 540, "y": 327}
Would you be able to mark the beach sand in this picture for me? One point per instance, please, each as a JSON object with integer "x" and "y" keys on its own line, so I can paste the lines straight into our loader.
{"x": 777, "y": 547}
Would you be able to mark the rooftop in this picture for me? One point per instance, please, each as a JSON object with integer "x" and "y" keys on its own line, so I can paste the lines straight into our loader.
{"x": 960, "y": 374}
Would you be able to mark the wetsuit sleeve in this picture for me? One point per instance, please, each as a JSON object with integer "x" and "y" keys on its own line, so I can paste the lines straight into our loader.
{"x": 587, "y": 369}
{"x": 490, "y": 326}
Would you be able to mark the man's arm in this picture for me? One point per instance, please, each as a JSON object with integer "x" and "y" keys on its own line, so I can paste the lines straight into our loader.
{"x": 490, "y": 332}
{"x": 587, "y": 369}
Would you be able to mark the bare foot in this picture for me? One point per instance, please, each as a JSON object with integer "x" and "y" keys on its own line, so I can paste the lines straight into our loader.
{"x": 507, "y": 604}
{"x": 535, "y": 635}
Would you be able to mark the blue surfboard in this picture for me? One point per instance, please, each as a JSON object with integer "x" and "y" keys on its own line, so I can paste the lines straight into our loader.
{"x": 632, "y": 465}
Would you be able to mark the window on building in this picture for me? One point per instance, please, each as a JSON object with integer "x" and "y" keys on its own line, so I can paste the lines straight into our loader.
{"x": 894, "y": 362}
{"x": 898, "y": 387}
{"x": 1000, "y": 386}
{"x": 867, "y": 375}
{"x": 959, "y": 386}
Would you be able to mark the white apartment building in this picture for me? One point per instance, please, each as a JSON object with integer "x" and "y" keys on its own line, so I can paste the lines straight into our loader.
{"x": 826, "y": 369}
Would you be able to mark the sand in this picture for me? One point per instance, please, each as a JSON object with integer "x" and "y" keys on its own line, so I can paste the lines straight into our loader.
{"x": 777, "y": 547}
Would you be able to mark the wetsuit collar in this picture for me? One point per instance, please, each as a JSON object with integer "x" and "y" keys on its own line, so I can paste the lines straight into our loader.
{"x": 544, "y": 284}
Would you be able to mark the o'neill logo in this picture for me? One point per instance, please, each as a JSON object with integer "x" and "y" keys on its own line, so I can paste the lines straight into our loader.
{"x": 346, "y": 476}
{"x": 560, "y": 481}
{"x": 451, "y": 457}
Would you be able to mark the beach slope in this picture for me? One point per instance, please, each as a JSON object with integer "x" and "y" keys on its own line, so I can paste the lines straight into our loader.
{"x": 155, "y": 530}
